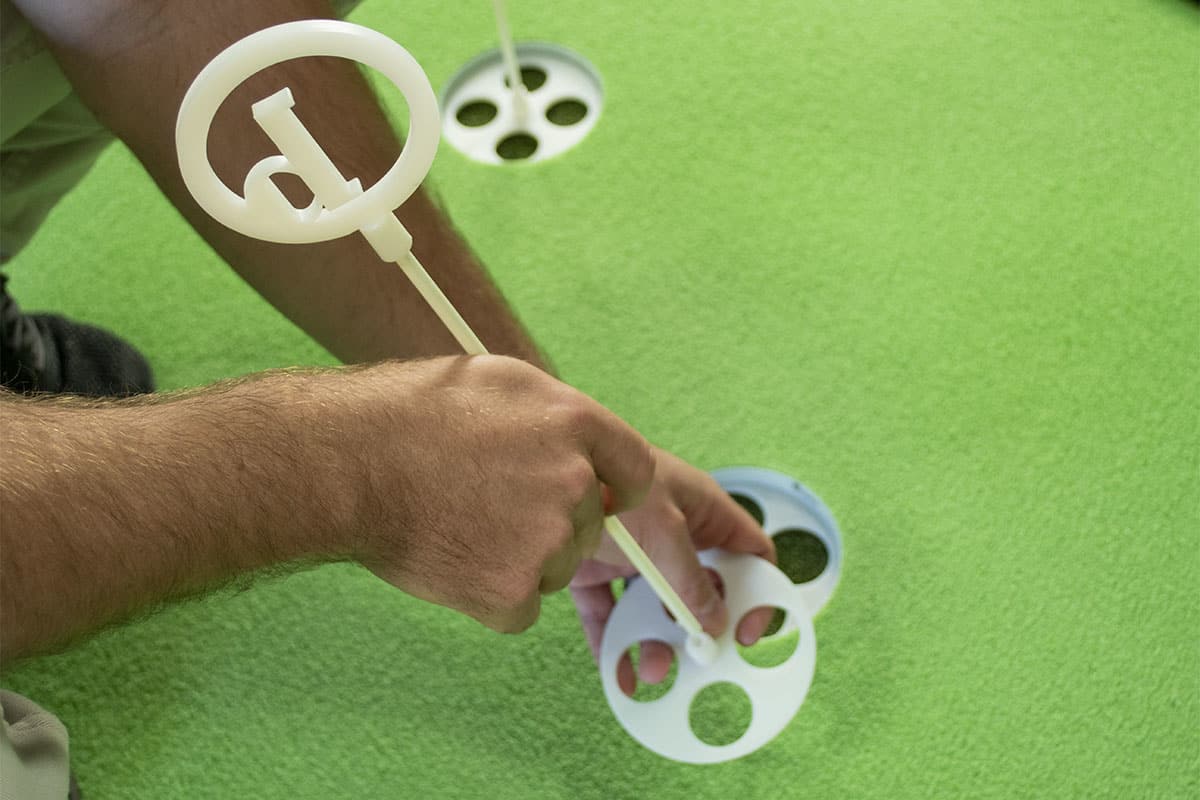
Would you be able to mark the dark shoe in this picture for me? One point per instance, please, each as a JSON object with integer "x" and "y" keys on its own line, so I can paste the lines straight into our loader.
{"x": 49, "y": 353}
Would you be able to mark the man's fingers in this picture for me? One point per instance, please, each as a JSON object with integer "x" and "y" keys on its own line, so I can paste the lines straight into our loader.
{"x": 518, "y": 619}
{"x": 674, "y": 555}
{"x": 727, "y": 525}
{"x": 595, "y": 604}
{"x": 588, "y": 522}
{"x": 560, "y": 567}
{"x": 559, "y": 570}
{"x": 626, "y": 680}
{"x": 623, "y": 460}
{"x": 753, "y": 625}
{"x": 654, "y": 661}
{"x": 716, "y": 520}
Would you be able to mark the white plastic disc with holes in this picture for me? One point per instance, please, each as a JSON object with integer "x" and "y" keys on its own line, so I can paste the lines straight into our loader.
{"x": 789, "y": 509}
{"x": 775, "y": 693}
{"x": 563, "y": 99}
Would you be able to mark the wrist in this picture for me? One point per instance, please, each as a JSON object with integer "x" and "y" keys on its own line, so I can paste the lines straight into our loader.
{"x": 336, "y": 420}
{"x": 321, "y": 485}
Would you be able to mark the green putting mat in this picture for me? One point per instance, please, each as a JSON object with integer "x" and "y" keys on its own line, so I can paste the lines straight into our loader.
{"x": 939, "y": 260}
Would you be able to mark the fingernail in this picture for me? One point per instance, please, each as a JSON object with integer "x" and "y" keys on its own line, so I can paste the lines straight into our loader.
{"x": 606, "y": 497}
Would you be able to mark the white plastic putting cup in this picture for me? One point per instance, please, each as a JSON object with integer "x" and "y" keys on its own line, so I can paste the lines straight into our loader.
{"x": 558, "y": 108}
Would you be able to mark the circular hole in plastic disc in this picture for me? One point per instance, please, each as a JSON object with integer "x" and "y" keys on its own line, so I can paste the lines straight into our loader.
{"x": 531, "y": 77}
{"x": 752, "y": 508}
{"x": 773, "y": 648}
{"x": 476, "y": 113}
{"x": 802, "y": 554}
{"x": 653, "y": 666}
{"x": 566, "y": 112}
{"x": 720, "y": 714}
{"x": 563, "y": 97}
{"x": 517, "y": 147}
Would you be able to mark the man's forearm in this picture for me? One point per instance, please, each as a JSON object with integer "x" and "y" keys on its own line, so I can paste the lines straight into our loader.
{"x": 132, "y": 62}
{"x": 107, "y": 508}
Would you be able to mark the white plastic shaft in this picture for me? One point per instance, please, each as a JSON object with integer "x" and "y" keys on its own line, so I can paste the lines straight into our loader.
{"x": 509, "y": 52}
{"x": 441, "y": 305}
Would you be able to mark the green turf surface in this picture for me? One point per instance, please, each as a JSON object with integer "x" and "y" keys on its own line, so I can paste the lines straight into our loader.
{"x": 939, "y": 260}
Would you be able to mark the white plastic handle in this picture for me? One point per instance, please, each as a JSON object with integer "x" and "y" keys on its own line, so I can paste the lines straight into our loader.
{"x": 340, "y": 206}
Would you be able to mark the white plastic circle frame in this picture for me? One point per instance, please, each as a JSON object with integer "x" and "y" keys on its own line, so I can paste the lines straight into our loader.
{"x": 776, "y": 693}
{"x": 569, "y": 76}
{"x": 789, "y": 505}
{"x": 284, "y": 42}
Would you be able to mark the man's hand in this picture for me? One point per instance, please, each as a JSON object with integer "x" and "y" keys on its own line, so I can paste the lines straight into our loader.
{"x": 686, "y": 511}
{"x": 497, "y": 491}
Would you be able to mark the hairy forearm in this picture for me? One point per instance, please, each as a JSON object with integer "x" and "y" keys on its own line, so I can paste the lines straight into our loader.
{"x": 132, "y": 61}
{"x": 107, "y": 508}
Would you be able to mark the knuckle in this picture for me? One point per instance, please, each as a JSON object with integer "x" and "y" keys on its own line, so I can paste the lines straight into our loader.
{"x": 504, "y": 370}
{"x": 645, "y": 464}
{"x": 579, "y": 480}
{"x": 564, "y": 536}
{"x": 570, "y": 411}
{"x": 525, "y": 374}
{"x": 674, "y": 523}
{"x": 554, "y": 532}
{"x": 711, "y": 487}
{"x": 485, "y": 365}
{"x": 515, "y": 593}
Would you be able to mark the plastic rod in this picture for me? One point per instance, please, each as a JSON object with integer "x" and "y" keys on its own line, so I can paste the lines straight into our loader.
{"x": 441, "y": 305}
{"x": 509, "y": 52}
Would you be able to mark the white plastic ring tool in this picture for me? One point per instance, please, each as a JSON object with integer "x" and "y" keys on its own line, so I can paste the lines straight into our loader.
{"x": 775, "y": 693}
{"x": 341, "y": 206}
